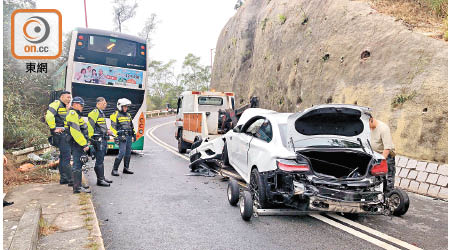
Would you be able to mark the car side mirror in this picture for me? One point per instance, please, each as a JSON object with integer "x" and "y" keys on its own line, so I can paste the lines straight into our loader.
{"x": 237, "y": 129}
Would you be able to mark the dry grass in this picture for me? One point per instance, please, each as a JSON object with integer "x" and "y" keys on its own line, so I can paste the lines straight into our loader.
{"x": 12, "y": 177}
{"x": 428, "y": 16}
{"x": 45, "y": 229}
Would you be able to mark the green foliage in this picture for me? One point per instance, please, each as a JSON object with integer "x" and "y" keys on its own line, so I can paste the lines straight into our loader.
{"x": 194, "y": 76}
{"x": 439, "y": 7}
{"x": 402, "y": 98}
{"x": 282, "y": 18}
{"x": 165, "y": 86}
{"x": 25, "y": 95}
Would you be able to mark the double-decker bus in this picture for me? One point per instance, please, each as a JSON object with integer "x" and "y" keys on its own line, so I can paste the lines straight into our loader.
{"x": 108, "y": 64}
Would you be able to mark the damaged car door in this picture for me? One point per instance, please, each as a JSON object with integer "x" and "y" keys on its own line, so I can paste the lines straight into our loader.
{"x": 241, "y": 143}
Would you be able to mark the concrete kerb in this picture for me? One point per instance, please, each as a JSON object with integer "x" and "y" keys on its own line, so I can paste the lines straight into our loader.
{"x": 27, "y": 233}
{"x": 95, "y": 233}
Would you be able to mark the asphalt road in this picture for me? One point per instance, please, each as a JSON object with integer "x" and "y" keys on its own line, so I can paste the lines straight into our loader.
{"x": 161, "y": 207}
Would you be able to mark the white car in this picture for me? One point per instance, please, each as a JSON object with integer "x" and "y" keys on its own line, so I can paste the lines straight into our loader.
{"x": 319, "y": 159}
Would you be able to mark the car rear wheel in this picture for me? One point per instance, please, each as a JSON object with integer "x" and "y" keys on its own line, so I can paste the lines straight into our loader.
{"x": 233, "y": 192}
{"x": 246, "y": 206}
{"x": 398, "y": 201}
{"x": 257, "y": 188}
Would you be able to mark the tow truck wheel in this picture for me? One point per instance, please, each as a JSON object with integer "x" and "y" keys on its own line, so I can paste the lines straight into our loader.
{"x": 233, "y": 192}
{"x": 181, "y": 148}
{"x": 399, "y": 201}
{"x": 246, "y": 205}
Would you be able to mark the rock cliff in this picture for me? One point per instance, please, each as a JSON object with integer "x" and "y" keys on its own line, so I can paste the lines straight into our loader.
{"x": 293, "y": 54}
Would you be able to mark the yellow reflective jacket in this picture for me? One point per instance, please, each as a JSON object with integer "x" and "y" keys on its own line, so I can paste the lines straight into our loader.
{"x": 121, "y": 121}
{"x": 97, "y": 123}
{"x": 77, "y": 127}
{"x": 56, "y": 115}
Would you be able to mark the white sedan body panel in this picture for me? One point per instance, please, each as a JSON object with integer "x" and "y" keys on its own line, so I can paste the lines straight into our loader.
{"x": 246, "y": 151}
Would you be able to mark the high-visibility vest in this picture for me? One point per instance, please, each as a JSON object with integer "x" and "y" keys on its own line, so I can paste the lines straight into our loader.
{"x": 121, "y": 121}
{"x": 77, "y": 127}
{"x": 56, "y": 115}
{"x": 97, "y": 123}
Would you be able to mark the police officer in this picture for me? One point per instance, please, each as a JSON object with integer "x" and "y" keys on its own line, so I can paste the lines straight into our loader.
{"x": 98, "y": 134}
{"x": 79, "y": 144}
{"x": 123, "y": 130}
{"x": 56, "y": 120}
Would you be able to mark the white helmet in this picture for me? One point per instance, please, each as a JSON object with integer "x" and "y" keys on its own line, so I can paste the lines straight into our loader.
{"x": 123, "y": 102}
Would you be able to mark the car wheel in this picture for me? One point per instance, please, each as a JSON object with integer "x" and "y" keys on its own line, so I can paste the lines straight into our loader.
{"x": 181, "y": 148}
{"x": 197, "y": 142}
{"x": 398, "y": 201}
{"x": 225, "y": 159}
{"x": 233, "y": 192}
{"x": 257, "y": 188}
{"x": 246, "y": 206}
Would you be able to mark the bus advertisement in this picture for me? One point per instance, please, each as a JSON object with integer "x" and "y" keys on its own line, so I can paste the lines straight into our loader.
{"x": 108, "y": 64}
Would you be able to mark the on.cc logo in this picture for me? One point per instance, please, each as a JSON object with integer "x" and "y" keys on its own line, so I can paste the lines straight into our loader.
{"x": 36, "y": 29}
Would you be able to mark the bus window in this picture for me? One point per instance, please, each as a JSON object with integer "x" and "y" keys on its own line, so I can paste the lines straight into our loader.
{"x": 112, "y": 45}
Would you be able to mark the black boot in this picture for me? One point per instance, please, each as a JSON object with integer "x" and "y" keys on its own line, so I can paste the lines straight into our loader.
{"x": 101, "y": 174}
{"x": 68, "y": 170}
{"x": 102, "y": 183}
{"x": 126, "y": 165}
{"x": 76, "y": 176}
{"x": 115, "y": 169}
{"x": 77, "y": 186}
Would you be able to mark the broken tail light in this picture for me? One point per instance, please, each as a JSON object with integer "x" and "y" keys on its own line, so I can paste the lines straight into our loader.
{"x": 290, "y": 166}
{"x": 380, "y": 168}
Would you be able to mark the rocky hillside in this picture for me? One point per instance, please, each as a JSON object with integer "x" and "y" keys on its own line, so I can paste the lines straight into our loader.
{"x": 295, "y": 54}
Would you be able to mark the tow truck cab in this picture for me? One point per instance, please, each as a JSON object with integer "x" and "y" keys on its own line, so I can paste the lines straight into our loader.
{"x": 198, "y": 115}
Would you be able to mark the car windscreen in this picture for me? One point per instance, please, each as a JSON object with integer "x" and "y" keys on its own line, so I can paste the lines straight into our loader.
{"x": 112, "y": 45}
{"x": 210, "y": 100}
{"x": 325, "y": 143}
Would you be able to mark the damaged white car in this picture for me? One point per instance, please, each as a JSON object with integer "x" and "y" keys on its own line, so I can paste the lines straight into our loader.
{"x": 316, "y": 160}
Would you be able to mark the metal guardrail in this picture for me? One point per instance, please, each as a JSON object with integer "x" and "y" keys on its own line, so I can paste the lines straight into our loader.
{"x": 156, "y": 113}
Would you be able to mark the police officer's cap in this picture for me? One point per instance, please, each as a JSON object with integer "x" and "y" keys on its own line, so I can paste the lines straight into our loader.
{"x": 78, "y": 99}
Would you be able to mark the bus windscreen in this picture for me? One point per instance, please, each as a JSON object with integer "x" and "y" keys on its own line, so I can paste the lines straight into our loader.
{"x": 112, "y": 46}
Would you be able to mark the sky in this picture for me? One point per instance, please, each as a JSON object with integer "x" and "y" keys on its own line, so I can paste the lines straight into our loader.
{"x": 185, "y": 26}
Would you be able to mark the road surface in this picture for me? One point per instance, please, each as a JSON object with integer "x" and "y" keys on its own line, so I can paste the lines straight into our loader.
{"x": 162, "y": 207}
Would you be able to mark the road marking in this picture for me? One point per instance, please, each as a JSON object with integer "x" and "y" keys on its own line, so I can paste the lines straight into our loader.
{"x": 322, "y": 218}
{"x": 352, "y": 231}
{"x": 163, "y": 144}
{"x": 374, "y": 232}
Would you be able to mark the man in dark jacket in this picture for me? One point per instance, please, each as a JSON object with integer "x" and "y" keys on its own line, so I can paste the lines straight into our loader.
{"x": 56, "y": 118}
{"x": 98, "y": 134}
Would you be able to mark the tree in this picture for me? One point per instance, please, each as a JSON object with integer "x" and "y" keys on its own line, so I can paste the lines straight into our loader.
{"x": 195, "y": 76}
{"x": 163, "y": 85}
{"x": 238, "y": 4}
{"x": 25, "y": 95}
{"x": 149, "y": 28}
{"x": 123, "y": 11}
